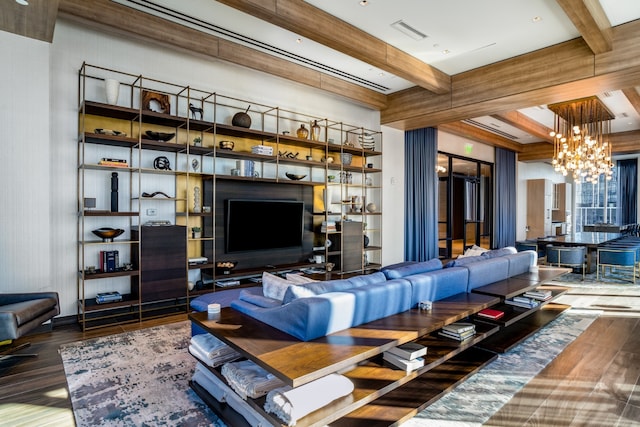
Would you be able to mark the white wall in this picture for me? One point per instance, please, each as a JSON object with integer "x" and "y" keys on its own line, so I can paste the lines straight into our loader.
{"x": 393, "y": 196}
{"x": 26, "y": 225}
{"x": 40, "y": 125}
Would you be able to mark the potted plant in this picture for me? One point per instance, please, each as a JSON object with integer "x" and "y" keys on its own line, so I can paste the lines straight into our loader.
{"x": 196, "y": 232}
{"x": 331, "y": 178}
{"x": 197, "y": 141}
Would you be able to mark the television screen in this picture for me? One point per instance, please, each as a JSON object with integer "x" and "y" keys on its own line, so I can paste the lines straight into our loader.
{"x": 263, "y": 224}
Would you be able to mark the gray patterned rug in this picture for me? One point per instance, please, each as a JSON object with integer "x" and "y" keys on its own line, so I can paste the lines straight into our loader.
{"x": 141, "y": 378}
{"x": 138, "y": 378}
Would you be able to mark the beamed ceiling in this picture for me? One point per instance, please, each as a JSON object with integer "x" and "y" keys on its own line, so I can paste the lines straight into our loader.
{"x": 474, "y": 103}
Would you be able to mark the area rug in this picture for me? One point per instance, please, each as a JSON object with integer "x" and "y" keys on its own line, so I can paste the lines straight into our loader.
{"x": 138, "y": 378}
{"x": 474, "y": 401}
{"x": 141, "y": 378}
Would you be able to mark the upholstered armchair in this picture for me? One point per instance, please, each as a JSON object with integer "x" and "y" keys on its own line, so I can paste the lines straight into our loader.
{"x": 568, "y": 256}
{"x": 618, "y": 257}
{"x": 21, "y": 313}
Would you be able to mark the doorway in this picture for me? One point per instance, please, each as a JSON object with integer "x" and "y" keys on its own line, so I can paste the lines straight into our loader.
{"x": 465, "y": 204}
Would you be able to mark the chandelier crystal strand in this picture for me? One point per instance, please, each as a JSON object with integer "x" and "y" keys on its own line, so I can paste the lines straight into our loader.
{"x": 580, "y": 137}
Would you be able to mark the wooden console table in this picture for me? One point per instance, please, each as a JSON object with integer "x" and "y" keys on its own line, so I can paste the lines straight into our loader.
{"x": 382, "y": 396}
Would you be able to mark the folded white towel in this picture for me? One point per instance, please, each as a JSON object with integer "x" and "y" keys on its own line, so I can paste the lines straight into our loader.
{"x": 248, "y": 379}
{"x": 291, "y": 404}
{"x": 210, "y": 345}
{"x": 216, "y": 361}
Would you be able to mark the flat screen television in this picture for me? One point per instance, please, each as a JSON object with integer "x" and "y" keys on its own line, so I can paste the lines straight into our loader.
{"x": 253, "y": 225}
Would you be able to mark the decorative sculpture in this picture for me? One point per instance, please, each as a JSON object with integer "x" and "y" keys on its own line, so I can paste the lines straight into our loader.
{"x": 195, "y": 110}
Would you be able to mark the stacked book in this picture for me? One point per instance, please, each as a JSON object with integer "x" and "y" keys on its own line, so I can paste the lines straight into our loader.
{"x": 328, "y": 227}
{"x": 265, "y": 150}
{"x": 459, "y": 331}
{"x": 109, "y": 261}
{"x": 118, "y": 163}
{"x": 539, "y": 294}
{"x": 106, "y": 297}
{"x": 522, "y": 301}
{"x": 489, "y": 313}
{"x": 408, "y": 357}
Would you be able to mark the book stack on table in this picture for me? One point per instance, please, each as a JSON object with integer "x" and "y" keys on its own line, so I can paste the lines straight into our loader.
{"x": 459, "y": 331}
{"x": 106, "y": 297}
{"x": 538, "y": 294}
{"x": 522, "y": 301}
{"x": 408, "y": 357}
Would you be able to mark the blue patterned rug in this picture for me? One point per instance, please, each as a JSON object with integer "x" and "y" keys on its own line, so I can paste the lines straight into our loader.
{"x": 138, "y": 378}
{"x": 141, "y": 378}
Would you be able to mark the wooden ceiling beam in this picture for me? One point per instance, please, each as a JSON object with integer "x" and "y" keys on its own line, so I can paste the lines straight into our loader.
{"x": 525, "y": 124}
{"x": 480, "y": 135}
{"x": 315, "y": 24}
{"x": 524, "y": 81}
{"x": 633, "y": 97}
{"x": 591, "y": 21}
{"x": 113, "y": 17}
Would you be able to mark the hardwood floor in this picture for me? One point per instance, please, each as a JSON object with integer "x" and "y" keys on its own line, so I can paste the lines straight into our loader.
{"x": 33, "y": 390}
{"x": 594, "y": 382}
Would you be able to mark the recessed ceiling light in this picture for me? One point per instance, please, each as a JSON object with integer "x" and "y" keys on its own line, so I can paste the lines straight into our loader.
{"x": 298, "y": 40}
{"x": 23, "y": 2}
{"x": 364, "y": 3}
{"x": 446, "y": 51}
{"x": 537, "y": 19}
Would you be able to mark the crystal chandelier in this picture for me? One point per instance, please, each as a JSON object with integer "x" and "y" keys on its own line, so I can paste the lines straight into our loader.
{"x": 580, "y": 138}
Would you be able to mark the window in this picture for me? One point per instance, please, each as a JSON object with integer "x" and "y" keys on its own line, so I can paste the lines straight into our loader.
{"x": 597, "y": 203}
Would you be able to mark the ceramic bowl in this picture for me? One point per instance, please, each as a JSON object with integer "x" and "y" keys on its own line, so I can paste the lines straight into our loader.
{"x": 108, "y": 234}
{"x": 294, "y": 177}
{"x": 160, "y": 136}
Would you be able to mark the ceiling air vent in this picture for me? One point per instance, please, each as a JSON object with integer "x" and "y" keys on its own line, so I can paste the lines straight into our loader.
{"x": 408, "y": 30}
{"x": 491, "y": 129}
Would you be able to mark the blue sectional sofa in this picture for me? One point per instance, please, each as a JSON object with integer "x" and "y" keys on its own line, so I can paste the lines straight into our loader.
{"x": 315, "y": 309}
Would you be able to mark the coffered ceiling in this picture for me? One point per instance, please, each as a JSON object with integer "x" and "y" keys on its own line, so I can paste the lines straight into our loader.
{"x": 482, "y": 69}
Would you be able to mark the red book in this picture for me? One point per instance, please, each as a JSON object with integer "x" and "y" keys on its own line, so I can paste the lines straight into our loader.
{"x": 491, "y": 313}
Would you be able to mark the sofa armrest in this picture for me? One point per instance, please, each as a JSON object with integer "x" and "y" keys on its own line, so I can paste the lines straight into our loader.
{"x": 22, "y": 297}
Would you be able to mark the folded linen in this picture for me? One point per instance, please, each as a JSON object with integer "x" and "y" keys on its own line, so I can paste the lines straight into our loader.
{"x": 216, "y": 361}
{"x": 211, "y": 346}
{"x": 248, "y": 379}
{"x": 291, "y": 404}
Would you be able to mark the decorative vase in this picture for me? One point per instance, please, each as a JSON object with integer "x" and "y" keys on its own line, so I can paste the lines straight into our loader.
{"x": 372, "y": 207}
{"x": 112, "y": 90}
{"x": 315, "y": 131}
{"x": 302, "y": 132}
{"x": 196, "y": 200}
{"x": 242, "y": 119}
{"x": 346, "y": 158}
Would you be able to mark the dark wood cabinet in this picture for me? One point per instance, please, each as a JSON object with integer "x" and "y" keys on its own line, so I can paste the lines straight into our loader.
{"x": 163, "y": 260}
{"x": 352, "y": 244}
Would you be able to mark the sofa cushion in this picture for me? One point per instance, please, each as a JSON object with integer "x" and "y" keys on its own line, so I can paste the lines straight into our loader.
{"x": 488, "y": 271}
{"x": 315, "y": 288}
{"x": 473, "y": 251}
{"x": 521, "y": 262}
{"x": 494, "y": 253}
{"x": 397, "y": 271}
{"x": 299, "y": 278}
{"x": 367, "y": 279}
{"x": 379, "y": 300}
{"x": 259, "y": 300}
{"x": 438, "y": 284}
{"x": 459, "y": 262}
{"x": 274, "y": 286}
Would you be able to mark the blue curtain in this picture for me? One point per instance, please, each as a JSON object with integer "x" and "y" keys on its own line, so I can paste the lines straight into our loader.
{"x": 505, "y": 197}
{"x": 421, "y": 194}
{"x": 627, "y": 191}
